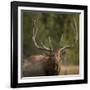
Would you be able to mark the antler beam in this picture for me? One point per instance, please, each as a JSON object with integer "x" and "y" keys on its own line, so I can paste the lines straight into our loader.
{"x": 34, "y": 40}
{"x": 66, "y": 47}
{"x": 76, "y": 37}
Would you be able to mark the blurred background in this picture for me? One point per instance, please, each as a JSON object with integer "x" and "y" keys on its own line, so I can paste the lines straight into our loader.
{"x": 55, "y": 30}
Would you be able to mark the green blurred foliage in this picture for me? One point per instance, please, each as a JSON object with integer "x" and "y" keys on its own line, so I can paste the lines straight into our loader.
{"x": 55, "y": 30}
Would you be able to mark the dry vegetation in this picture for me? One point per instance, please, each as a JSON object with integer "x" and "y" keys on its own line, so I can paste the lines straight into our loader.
{"x": 69, "y": 69}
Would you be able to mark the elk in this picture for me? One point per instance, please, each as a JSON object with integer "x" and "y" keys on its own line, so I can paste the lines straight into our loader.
{"x": 44, "y": 65}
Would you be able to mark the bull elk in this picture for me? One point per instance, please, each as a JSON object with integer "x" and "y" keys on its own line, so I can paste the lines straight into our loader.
{"x": 43, "y": 65}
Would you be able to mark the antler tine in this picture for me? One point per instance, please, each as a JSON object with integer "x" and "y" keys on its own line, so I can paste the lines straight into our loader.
{"x": 76, "y": 33}
{"x": 34, "y": 32}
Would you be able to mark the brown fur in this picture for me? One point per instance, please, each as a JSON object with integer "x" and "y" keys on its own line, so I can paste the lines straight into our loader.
{"x": 40, "y": 65}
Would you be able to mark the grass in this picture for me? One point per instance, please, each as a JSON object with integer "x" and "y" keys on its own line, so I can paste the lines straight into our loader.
{"x": 69, "y": 70}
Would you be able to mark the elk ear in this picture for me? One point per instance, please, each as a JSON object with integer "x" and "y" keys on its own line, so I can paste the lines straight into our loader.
{"x": 63, "y": 52}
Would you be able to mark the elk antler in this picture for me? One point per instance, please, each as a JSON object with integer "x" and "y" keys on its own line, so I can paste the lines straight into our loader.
{"x": 34, "y": 40}
{"x": 76, "y": 37}
{"x": 66, "y": 47}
